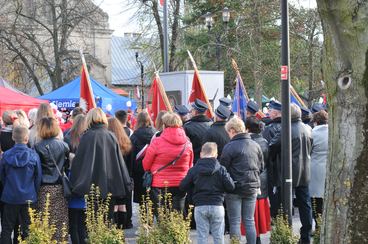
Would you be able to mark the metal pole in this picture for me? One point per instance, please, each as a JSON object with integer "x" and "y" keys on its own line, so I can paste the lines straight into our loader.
{"x": 166, "y": 38}
{"x": 285, "y": 117}
{"x": 142, "y": 80}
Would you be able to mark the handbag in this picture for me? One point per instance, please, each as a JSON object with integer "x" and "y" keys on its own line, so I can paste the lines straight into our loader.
{"x": 67, "y": 189}
{"x": 148, "y": 176}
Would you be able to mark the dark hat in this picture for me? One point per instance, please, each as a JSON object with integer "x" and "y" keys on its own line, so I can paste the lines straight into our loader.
{"x": 305, "y": 112}
{"x": 223, "y": 112}
{"x": 317, "y": 107}
{"x": 181, "y": 109}
{"x": 199, "y": 105}
{"x": 252, "y": 107}
{"x": 275, "y": 105}
{"x": 225, "y": 101}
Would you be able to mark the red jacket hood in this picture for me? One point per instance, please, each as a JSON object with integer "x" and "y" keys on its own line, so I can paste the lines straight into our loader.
{"x": 174, "y": 136}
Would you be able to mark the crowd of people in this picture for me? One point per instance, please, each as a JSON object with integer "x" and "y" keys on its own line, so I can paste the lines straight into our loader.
{"x": 229, "y": 169}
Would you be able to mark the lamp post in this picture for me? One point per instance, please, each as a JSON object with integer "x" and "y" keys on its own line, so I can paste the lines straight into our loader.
{"x": 139, "y": 62}
{"x": 209, "y": 21}
{"x": 285, "y": 117}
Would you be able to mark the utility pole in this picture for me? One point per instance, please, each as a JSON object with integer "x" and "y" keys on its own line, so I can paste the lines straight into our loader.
{"x": 166, "y": 37}
{"x": 285, "y": 117}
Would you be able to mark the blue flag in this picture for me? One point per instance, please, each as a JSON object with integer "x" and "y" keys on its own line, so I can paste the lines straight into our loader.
{"x": 240, "y": 100}
{"x": 294, "y": 100}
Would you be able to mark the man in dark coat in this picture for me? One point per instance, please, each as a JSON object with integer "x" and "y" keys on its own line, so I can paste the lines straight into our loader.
{"x": 217, "y": 132}
{"x": 252, "y": 108}
{"x": 301, "y": 148}
{"x": 227, "y": 103}
{"x": 273, "y": 128}
{"x": 197, "y": 126}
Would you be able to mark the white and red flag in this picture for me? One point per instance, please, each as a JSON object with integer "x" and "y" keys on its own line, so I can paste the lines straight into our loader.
{"x": 87, "y": 99}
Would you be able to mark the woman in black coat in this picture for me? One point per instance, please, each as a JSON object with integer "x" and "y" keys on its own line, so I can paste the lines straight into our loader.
{"x": 242, "y": 157}
{"x": 100, "y": 161}
{"x": 141, "y": 137}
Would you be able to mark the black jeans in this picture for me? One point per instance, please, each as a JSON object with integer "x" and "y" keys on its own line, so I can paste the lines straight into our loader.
{"x": 11, "y": 215}
{"x": 303, "y": 201}
{"x": 77, "y": 225}
{"x": 178, "y": 197}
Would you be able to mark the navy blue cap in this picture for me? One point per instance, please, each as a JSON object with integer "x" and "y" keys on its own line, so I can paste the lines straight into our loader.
{"x": 225, "y": 101}
{"x": 317, "y": 107}
{"x": 199, "y": 105}
{"x": 222, "y": 112}
{"x": 305, "y": 112}
{"x": 252, "y": 107}
{"x": 181, "y": 109}
{"x": 275, "y": 105}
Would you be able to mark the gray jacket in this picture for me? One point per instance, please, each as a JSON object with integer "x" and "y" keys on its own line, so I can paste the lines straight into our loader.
{"x": 318, "y": 160}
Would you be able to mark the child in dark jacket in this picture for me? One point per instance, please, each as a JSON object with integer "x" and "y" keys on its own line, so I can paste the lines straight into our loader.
{"x": 209, "y": 181}
{"x": 20, "y": 173}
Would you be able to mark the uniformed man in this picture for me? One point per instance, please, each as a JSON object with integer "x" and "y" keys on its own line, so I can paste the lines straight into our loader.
{"x": 272, "y": 129}
{"x": 252, "y": 108}
{"x": 217, "y": 132}
{"x": 197, "y": 126}
{"x": 183, "y": 112}
{"x": 227, "y": 103}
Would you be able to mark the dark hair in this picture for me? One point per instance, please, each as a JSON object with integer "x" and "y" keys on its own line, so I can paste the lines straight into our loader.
{"x": 77, "y": 111}
{"x": 143, "y": 120}
{"x": 122, "y": 116}
{"x": 321, "y": 117}
{"x": 79, "y": 126}
{"x": 253, "y": 125}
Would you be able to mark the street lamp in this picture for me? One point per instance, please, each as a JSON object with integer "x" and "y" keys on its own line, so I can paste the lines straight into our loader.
{"x": 139, "y": 62}
{"x": 209, "y": 21}
{"x": 226, "y": 15}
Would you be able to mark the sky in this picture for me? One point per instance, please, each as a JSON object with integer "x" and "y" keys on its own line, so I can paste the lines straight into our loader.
{"x": 120, "y": 14}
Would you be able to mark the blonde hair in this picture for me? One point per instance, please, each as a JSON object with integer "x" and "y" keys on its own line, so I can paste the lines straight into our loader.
{"x": 172, "y": 120}
{"x": 209, "y": 149}
{"x": 236, "y": 124}
{"x": 96, "y": 116}
{"x": 159, "y": 122}
{"x": 48, "y": 127}
{"x": 20, "y": 134}
{"x": 22, "y": 118}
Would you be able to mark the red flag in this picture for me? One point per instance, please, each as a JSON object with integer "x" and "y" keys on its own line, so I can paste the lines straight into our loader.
{"x": 159, "y": 98}
{"x": 162, "y": 2}
{"x": 198, "y": 92}
{"x": 87, "y": 99}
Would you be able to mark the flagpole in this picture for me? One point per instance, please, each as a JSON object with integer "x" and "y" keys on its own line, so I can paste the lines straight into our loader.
{"x": 163, "y": 93}
{"x": 236, "y": 68}
{"x": 200, "y": 83}
{"x": 166, "y": 37}
{"x": 292, "y": 90}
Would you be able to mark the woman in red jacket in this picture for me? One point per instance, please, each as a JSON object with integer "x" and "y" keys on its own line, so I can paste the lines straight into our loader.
{"x": 172, "y": 144}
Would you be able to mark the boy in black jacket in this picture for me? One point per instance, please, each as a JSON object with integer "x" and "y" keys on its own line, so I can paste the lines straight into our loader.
{"x": 209, "y": 181}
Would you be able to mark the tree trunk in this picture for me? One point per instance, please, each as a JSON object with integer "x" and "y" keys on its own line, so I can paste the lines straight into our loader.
{"x": 345, "y": 70}
{"x": 256, "y": 53}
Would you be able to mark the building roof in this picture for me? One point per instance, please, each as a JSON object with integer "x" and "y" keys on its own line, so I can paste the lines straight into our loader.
{"x": 124, "y": 67}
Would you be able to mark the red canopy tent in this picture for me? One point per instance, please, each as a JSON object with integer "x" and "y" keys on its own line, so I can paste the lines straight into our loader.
{"x": 11, "y": 100}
